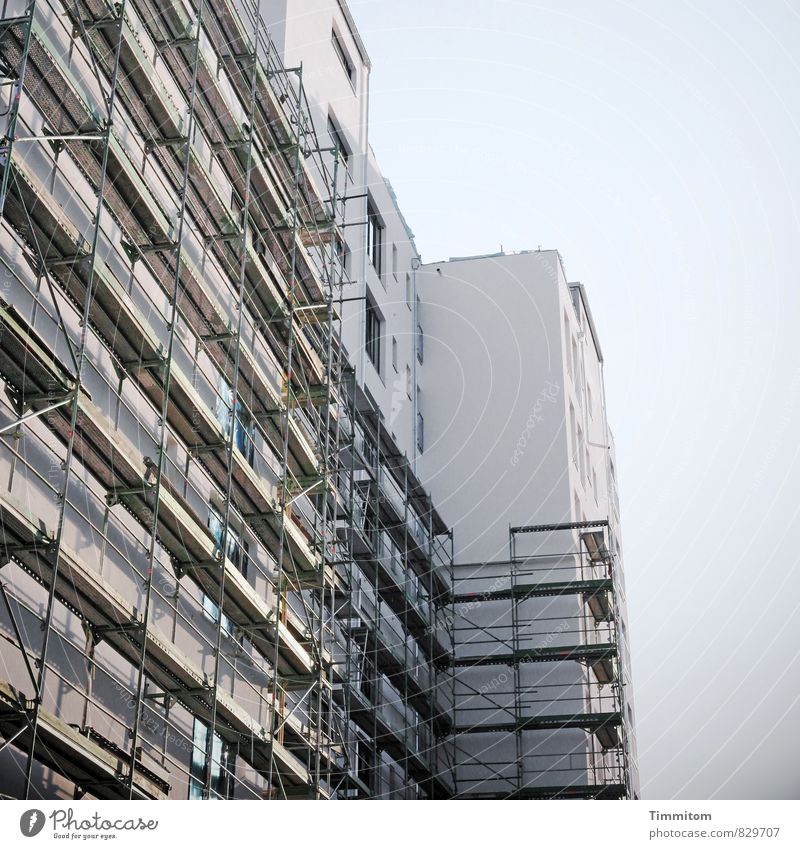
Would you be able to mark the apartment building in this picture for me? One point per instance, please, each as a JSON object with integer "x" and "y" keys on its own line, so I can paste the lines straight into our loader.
{"x": 237, "y": 468}
{"x": 221, "y": 578}
{"x": 520, "y": 461}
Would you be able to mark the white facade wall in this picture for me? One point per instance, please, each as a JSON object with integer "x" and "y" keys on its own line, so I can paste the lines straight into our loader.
{"x": 303, "y": 31}
{"x": 517, "y": 435}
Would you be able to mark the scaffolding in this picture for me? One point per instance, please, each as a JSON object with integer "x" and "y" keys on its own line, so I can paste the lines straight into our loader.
{"x": 183, "y": 442}
{"x": 540, "y": 689}
{"x": 398, "y": 690}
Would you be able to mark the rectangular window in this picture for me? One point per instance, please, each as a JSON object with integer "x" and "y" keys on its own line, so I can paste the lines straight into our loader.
{"x": 372, "y": 340}
{"x": 408, "y": 381}
{"x": 420, "y": 343}
{"x": 338, "y": 139}
{"x": 409, "y": 292}
{"x": 420, "y": 433}
{"x": 394, "y": 260}
{"x": 236, "y": 552}
{"x": 245, "y": 427}
{"x": 236, "y": 547}
{"x": 374, "y": 238}
{"x": 394, "y": 353}
{"x": 344, "y": 57}
{"x": 574, "y": 361}
{"x": 211, "y": 610}
{"x": 567, "y": 336}
{"x": 370, "y": 452}
{"x": 222, "y": 765}
{"x": 573, "y": 434}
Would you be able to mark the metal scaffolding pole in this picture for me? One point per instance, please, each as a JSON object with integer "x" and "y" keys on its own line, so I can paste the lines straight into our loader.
{"x": 89, "y": 259}
{"x": 178, "y": 248}
{"x": 233, "y": 416}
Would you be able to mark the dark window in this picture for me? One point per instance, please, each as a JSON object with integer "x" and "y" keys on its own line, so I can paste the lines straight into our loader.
{"x": 420, "y": 343}
{"x": 373, "y": 335}
{"x": 344, "y": 58}
{"x": 370, "y": 452}
{"x": 222, "y": 764}
{"x": 364, "y": 760}
{"x": 369, "y": 678}
{"x": 374, "y": 238}
{"x": 420, "y": 425}
{"x": 338, "y": 139}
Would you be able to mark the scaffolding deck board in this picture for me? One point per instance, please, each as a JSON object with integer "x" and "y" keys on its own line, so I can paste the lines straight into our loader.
{"x": 589, "y": 652}
{"x": 62, "y": 747}
{"x": 537, "y": 590}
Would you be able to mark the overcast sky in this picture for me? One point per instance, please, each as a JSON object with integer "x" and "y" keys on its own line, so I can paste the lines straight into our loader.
{"x": 657, "y": 146}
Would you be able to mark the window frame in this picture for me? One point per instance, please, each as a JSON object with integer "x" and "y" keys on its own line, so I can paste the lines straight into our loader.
{"x": 343, "y": 55}
{"x": 337, "y": 137}
{"x": 373, "y": 331}
{"x": 374, "y": 240}
{"x": 223, "y": 754}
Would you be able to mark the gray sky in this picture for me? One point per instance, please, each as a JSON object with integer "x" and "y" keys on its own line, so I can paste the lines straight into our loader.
{"x": 657, "y": 146}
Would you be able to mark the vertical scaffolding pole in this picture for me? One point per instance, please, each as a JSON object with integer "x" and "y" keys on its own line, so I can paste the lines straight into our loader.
{"x": 282, "y": 601}
{"x": 163, "y": 418}
{"x": 230, "y": 440}
{"x": 115, "y": 23}
{"x": 16, "y": 79}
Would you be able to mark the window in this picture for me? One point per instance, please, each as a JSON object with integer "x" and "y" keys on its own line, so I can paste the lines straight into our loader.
{"x": 363, "y": 761}
{"x": 394, "y": 260}
{"x": 344, "y": 57}
{"x": 574, "y": 361}
{"x": 567, "y": 336}
{"x": 573, "y": 434}
{"x": 409, "y": 292}
{"x": 372, "y": 340}
{"x": 222, "y": 765}
{"x": 420, "y": 343}
{"x": 394, "y": 353}
{"x": 236, "y": 547}
{"x": 374, "y": 238}
{"x": 370, "y": 452}
{"x": 245, "y": 427}
{"x": 236, "y": 552}
{"x": 408, "y": 381}
{"x": 338, "y": 139}
{"x": 420, "y": 432}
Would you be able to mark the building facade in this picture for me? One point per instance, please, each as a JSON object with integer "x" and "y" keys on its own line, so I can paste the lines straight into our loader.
{"x": 228, "y": 522}
{"x": 520, "y": 461}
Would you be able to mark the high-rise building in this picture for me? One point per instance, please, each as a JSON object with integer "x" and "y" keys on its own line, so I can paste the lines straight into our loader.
{"x": 229, "y": 523}
{"x": 520, "y": 461}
